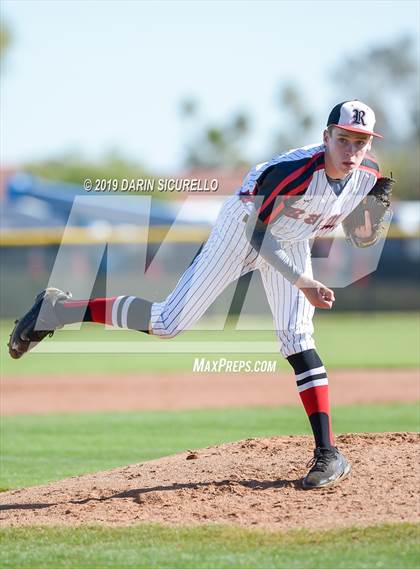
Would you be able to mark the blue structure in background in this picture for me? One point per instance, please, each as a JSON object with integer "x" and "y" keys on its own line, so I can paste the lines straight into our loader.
{"x": 33, "y": 202}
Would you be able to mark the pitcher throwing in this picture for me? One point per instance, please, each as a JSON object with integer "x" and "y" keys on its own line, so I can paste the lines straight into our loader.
{"x": 267, "y": 226}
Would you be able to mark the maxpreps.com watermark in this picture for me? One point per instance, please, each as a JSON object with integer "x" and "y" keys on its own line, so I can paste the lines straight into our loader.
{"x": 140, "y": 185}
{"x": 203, "y": 365}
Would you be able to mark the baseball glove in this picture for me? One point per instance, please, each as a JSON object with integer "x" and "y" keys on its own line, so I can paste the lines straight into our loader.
{"x": 356, "y": 225}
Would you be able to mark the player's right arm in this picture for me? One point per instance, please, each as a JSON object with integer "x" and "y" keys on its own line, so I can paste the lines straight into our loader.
{"x": 317, "y": 293}
{"x": 260, "y": 237}
{"x": 270, "y": 195}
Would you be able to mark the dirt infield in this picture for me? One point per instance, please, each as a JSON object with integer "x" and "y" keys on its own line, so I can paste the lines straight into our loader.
{"x": 251, "y": 483}
{"x": 255, "y": 482}
{"x": 67, "y": 394}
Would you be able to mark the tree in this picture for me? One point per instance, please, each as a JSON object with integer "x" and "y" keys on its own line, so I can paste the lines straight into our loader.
{"x": 385, "y": 77}
{"x": 296, "y": 116}
{"x": 73, "y": 168}
{"x": 5, "y": 39}
{"x": 5, "y": 42}
{"x": 213, "y": 145}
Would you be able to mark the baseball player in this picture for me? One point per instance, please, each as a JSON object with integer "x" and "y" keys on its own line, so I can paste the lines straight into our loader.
{"x": 268, "y": 226}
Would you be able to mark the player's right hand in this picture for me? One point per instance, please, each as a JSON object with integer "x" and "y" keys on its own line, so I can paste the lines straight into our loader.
{"x": 318, "y": 294}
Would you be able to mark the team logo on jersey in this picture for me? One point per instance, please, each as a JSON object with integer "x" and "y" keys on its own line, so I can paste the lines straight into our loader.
{"x": 358, "y": 117}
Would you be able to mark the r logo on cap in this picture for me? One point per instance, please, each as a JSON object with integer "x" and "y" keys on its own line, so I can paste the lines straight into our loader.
{"x": 358, "y": 117}
{"x": 354, "y": 116}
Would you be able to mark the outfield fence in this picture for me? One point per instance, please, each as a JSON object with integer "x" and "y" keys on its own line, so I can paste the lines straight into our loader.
{"x": 115, "y": 259}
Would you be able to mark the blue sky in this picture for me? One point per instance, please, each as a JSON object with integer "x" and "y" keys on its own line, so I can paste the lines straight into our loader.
{"x": 95, "y": 75}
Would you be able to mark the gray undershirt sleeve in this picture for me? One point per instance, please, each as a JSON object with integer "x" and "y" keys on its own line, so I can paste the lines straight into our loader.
{"x": 261, "y": 238}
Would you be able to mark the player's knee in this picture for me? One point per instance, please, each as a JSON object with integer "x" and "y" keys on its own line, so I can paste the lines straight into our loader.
{"x": 163, "y": 325}
{"x": 166, "y": 333}
{"x": 293, "y": 342}
{"x": 286, "y": 351}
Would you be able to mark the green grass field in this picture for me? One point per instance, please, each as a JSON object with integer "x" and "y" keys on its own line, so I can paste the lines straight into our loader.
{"x": 36, "y": 449}
{"x": 209, "y": 547}
{"x": 41, "y": 448}
{"x": 386, "y": 340}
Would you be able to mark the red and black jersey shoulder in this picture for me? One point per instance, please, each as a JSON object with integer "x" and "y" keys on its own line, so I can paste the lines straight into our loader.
{"x": 282, "y": 181}
{"x": 369, "y": 164}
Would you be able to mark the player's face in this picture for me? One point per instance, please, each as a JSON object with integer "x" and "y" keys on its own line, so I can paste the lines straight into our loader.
{"x": 344, "y": 151}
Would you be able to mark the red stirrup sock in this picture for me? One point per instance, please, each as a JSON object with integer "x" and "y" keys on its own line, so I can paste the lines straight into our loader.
{"x": 119, "y": 311}
{"x": 312, "y": 384}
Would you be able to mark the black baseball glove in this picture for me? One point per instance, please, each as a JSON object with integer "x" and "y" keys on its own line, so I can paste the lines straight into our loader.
{"x": 364, "y": 229}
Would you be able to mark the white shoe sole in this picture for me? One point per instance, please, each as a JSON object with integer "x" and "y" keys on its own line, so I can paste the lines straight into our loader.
{"x": 346, "y": 472}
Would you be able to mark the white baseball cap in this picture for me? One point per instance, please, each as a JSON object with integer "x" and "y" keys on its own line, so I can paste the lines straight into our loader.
{"x": 354, "y": 116}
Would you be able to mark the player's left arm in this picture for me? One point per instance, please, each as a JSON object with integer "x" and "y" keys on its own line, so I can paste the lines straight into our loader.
{"x": 365, "y": 224}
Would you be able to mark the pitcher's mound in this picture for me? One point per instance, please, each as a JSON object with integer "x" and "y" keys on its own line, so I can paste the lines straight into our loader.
{"x": 255, "y": 482}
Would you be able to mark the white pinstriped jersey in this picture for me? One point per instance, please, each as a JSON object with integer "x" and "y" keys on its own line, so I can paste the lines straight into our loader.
{"x": 292, "y": 194}
{"x": 297, "y": 203}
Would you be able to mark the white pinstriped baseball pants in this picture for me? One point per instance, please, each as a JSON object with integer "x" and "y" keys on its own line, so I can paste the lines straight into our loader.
{"x": 225, "y": 257}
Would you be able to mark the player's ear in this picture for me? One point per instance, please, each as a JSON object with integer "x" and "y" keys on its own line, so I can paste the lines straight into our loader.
{"x": 326, "y": 136}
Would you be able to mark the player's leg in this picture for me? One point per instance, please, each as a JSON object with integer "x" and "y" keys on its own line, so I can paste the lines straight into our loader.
{"x": 220, "y": 261}
{"x": 292, "y": 315}
{"x": 225, "y": 256}
{"x": 54, "y": 309}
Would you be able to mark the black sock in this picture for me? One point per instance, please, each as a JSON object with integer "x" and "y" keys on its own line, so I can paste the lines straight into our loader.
{"x": 312, "y": 384}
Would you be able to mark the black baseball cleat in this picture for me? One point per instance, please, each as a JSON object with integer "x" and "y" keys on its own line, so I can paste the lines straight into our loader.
{"x": 40, "y": 321}
{"x": 328, "y": 467}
